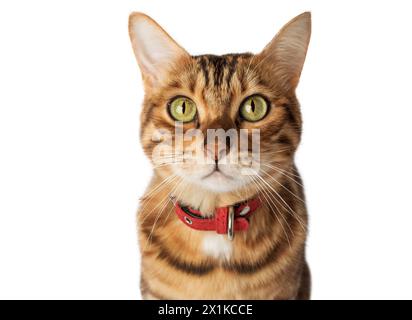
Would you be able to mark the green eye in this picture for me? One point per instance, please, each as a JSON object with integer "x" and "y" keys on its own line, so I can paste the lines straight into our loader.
{"x": 182, "y": 109}
{"x": 254, "y": 108}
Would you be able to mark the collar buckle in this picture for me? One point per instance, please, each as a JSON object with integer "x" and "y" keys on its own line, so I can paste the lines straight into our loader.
{"x": 225, "y": 221}
{"x": 231, "y": 223}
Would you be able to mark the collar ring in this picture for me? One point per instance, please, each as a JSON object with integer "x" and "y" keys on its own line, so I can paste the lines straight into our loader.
{"x": 230, "y": 223}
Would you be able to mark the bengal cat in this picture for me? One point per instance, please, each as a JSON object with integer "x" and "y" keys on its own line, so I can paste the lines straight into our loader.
{"x": 210, "y": 229}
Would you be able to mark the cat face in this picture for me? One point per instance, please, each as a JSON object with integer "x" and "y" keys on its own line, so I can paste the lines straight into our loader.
{"x": 197, "y": 109}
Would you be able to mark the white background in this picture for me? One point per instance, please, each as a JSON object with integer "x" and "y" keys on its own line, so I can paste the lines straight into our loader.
{"x": 72, "y": 169}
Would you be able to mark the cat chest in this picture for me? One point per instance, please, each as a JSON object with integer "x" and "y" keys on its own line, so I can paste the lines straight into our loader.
{"x": 216, "y": 246}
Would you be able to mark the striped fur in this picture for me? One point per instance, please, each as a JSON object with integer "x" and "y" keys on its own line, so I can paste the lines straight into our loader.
{"x": 268, "y": 260}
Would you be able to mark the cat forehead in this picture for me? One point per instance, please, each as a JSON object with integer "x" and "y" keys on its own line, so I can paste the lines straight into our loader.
{"x": 217, "y": 78}
{"x": 219, "y": 70}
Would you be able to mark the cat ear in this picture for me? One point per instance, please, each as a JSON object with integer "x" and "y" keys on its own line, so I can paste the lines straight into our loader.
{"x": 155, "y": 50}
{"x": 286, "y": 53}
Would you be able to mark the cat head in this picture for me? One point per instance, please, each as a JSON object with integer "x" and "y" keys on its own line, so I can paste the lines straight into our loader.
{"x": 189, "y": 98}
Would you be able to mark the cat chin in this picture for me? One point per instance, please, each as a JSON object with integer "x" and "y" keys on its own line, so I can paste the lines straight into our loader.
{"x": 216, "y": 183}
{"x": 218, "y": 186}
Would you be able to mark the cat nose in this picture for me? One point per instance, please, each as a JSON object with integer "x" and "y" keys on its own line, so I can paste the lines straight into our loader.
{"x": 218, "y": 149}
{"x": 215, "y": 151}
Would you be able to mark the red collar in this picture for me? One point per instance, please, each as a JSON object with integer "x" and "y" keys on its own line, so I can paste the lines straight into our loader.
{"x": 226, "y": 220}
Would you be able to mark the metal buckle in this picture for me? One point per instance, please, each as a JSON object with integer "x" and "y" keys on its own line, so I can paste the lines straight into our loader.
{"x": 230, "y": 223}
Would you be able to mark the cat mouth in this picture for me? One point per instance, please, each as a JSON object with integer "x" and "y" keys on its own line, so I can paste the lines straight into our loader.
{"x": 216, "y": 173}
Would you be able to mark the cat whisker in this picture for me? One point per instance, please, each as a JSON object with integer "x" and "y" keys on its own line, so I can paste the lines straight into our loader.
{"x": 291, "y": 192}
{"x": 153, "y": 209}
{"x": 248, "y": 67}
{"x": 284, "y": 172}
{"x": 160, "y": 185}
{"x": 165, "y": 165}
{"x": 280, "y": 150}
{"x": 177, "y": 197}
{"x": 269, "y": 201}
{"x": 160, "y": 213}
{"x": 288, "y": 209}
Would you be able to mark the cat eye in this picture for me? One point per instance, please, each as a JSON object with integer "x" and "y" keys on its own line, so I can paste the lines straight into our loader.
{"x": 182, "y": 109}
{"x": 254, "y": 108}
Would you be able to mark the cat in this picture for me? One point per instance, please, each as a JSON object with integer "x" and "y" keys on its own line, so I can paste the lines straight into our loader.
{"x": 209, "y": 229}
